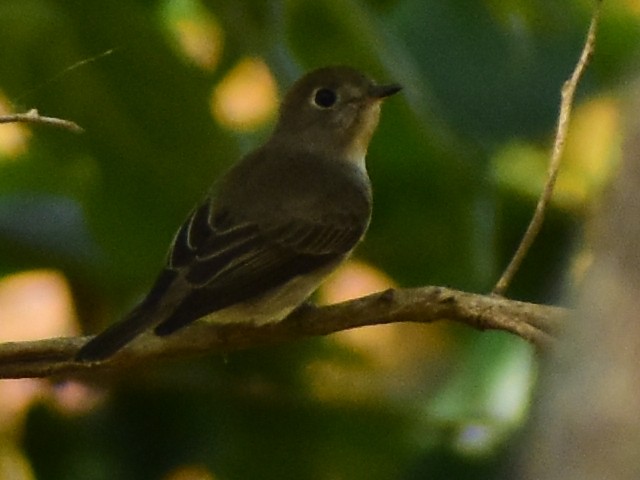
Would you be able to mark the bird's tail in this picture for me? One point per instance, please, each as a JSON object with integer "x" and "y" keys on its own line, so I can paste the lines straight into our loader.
{"x": 115, "y": 337}
{"x": 143, "y": 316}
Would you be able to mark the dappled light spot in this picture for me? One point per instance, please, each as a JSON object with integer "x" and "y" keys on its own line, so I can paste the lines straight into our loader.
{"x": 591, "y": 155}
{"x": 190, "y": 472}
{"x": 383, "y": 361}
{"x": 475, "y": 439}
{"x": 246, "y": 98}
{"x": 484, "y": 400}
{"x": 13, "y": 463}
{"x": 196, "y": 32}
{"x": 352, "y": 280}
{"x": 34, "y": 305}
{"x": 76, "y": 398}
{"x": 14, "y": 137}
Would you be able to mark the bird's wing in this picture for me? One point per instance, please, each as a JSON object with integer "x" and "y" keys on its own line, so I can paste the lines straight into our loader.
{"x": 215, "y": 262}
{"x": 225, "y": 262}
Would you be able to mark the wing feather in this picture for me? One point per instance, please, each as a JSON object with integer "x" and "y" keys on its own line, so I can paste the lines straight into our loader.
{"x": 240, "y": 261}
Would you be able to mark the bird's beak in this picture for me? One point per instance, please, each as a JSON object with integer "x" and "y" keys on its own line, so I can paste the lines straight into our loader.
{"x": 382, "y": 91}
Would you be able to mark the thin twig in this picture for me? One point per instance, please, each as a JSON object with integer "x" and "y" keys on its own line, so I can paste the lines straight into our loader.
{"x": 568, "y": 93}
{"x": 32, "y": 116}
{"x": 64, "y": 73}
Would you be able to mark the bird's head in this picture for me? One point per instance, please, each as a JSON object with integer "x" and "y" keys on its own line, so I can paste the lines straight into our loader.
{"x": 332, "y": 111}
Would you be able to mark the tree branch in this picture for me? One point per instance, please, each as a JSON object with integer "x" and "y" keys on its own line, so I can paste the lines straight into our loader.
{"x": 566, "y": 103}
{"x": 32, "y": 116}
{"x": 537, "y": 324}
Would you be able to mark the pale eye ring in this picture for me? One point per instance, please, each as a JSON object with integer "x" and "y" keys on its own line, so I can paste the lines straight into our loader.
{"x": 325, "y": 98}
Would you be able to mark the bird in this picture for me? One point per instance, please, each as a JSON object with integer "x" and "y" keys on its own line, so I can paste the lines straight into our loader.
{"x": 276, "y": 224}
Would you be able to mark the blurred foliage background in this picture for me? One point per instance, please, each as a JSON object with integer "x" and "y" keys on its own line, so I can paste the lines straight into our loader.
{"x": 170, "y": 93}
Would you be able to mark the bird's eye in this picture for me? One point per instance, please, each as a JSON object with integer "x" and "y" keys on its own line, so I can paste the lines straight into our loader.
{"x": 325, "y": 98}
